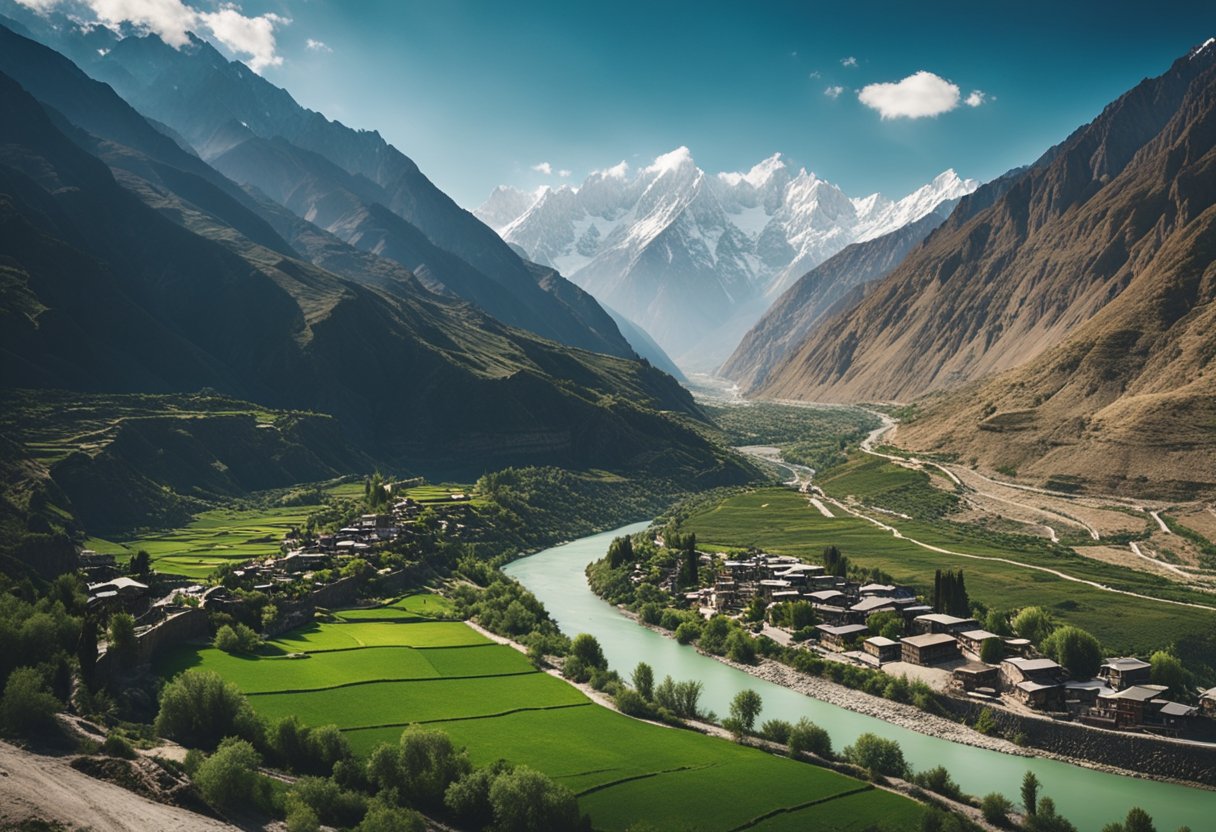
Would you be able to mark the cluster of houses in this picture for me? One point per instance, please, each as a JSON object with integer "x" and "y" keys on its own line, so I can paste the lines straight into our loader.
{"x": 1120, "y": 697}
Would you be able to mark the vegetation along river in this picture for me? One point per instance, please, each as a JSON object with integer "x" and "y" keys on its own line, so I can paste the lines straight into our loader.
{"x": 1087, "y": 797}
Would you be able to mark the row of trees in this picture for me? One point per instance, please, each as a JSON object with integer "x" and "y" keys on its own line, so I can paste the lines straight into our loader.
{"x": 950, "y": 593}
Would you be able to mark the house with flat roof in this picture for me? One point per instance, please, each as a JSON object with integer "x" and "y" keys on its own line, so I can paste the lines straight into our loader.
{"x": 1126, "y": 672}
{"x": 840, "y": 636}
{"x": 1127, "y": 708}
{"x": 976, "y": 676}
{"x": 939, "y": 622}
{"x": 871, "y": 604}
{"x": 929, "y": 648}
{"x": 883, "y": 649}
{"x": 973, "y": 640}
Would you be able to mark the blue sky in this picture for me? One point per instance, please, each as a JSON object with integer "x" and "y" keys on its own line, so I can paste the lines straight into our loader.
{"x": 479, "y": 92}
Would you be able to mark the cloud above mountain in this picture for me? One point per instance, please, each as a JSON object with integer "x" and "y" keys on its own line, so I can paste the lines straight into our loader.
{"x": 249, "y": 37}
{"x": 921, "y": 95}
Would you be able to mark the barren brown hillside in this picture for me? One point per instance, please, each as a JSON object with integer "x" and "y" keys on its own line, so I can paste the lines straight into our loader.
{"x": 989, "y": 292}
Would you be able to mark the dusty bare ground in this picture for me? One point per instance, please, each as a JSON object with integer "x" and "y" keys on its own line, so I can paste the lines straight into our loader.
{"x": 1084, "y": 514}
{"x": 33, "y": 786}
{"x": 1124, "y": 556}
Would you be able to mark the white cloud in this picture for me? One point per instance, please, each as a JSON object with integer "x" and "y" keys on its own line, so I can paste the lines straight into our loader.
{"x": 543, "y": 167}
{"x": 919, "y": 95}
{"x": 833, "y": 92}
{"x": 564, "y": 174}
{"x": 849, "y": 61}
{"x": 976, "y": 98}
{"x": 249, "y": 38}
{"x": 815, "y": 74}
{"x": 317, "y": 45}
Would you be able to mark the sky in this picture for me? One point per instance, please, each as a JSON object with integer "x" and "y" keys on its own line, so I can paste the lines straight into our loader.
{"x": 870, "y": 96}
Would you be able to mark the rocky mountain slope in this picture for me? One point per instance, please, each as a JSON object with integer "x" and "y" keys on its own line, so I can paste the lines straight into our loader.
{"x": 992, "y": 289}
{"x": 695, "y": 258}
{"x": 1079, "y": 306}
{"x": 123, "y": 273}
{"x": 349, "y": 182}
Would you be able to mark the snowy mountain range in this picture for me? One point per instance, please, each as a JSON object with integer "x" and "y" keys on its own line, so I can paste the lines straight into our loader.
{"x": 695, "y": 258}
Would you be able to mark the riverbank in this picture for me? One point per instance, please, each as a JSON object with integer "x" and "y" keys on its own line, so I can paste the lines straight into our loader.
{"x": 912, "y": 718}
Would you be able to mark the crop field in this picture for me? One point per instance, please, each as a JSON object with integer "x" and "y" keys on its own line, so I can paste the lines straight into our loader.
{"x": 441, "y": 494}
{"x": 418, "y": 607}
{"x": 490, "y": 700}
{"x": 779, "y": 520}
{"x": 216, "y": 537}
{"x": 321, "y": 637}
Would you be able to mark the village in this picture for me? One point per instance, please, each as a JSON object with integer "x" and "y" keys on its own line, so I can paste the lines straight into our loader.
{"x": 953, "y": 654}
{"x": 305, "y": 572}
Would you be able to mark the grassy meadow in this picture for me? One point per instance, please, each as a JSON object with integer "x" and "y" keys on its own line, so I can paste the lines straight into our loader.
{"x": 372, "y": 678}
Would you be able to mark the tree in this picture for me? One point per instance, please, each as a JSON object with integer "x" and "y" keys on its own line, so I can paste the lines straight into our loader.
{"x": 141, "y": 564}
{"x": 835, "y": 563}
{"x": 714, "y": 634}
{"x": 382, "y": 817}
{"x": 744, "y": 709}
{"x": 469, "y": 797}
{"x": 643, "y": 680}
{"x": 776, "y": 730}
{"x": 27, "y": 706}
{"x": 1030, "y": 793}
{"x": 586, "y": 650}
{"x": 1033, "y": 623}
{"x": 425, "y": 764}
{"x": 992, "y": 650}
{"x": 1167, "y": 670}
{"x": 1074, "y": 649}
{"x": 198, "y": 709}
{"x": 996, "y": 808}
{"x": 1046, "y": 819}
{"x": 620, "y": 552}
{"x": 877, "y": 755}
{"x": 801, "y": 614}
{"x": 524, "y": 800}
{"x": 740, "y": 648}
{"x": 121, "y": 636}
{"x": 997, "y": 622}
{"x": 236, "y": 638}
{"x": 229, "y": 778}
{"x": 808, "y": 738}
{"x": 1137, "y": 820}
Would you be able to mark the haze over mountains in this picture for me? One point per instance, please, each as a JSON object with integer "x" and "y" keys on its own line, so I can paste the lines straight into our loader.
{"x": 696, "y": 258}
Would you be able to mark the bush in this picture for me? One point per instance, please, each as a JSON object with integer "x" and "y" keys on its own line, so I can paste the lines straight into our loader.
{"x": 1076, "y": 650}
{"x": 808, "y": 738}
{"x": 301, "y": 818}
{"x": 524, "y": 800}
{"x": 116, "y": 745}
{"x": 740, "y": 648}
{"x": 382, "y": 817}
{"x": 307, "y": 750}
{"x": 985, "y": 723}
{"x": 687, "y": 632}
{"x": 992, "y": 651}
{"x": 938, "y": 780}
{"x": 744, "y": 709}
{"x": 419, "y": 769}
{"x": 469, "y": 797}
{"x": 714, "y": 634}
{"x": 776, "y": 730}
{"x": 1033, "y": 623}
{"x": 121, "y": 637}
{"x": 229, "y": 778}
{"x": 877, "y": 755}
{"x": 586, "y": 649}
{"x": 996, "y": 808}
{"x": 332, "y": 805}
{"x": 28, "y": 706}
{"x": 199, "y": 708}
{"x": 236, "y": 639}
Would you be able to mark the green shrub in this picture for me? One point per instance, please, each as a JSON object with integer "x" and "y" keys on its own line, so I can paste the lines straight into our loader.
{"x": 776, "y": 730}
{"x": 229, "y": 778}
{"x": 808, "y": 738}
{"x": 688, "y": 632}
{"x": 420, "y": 768}
{"x": 740, "y": 648}
{"x": 469, "y": 797}
{"x": 198, "y": 708}
{"x": 116, "y": 745}
{"x": 333, "y": 805}
{"x": 938, "y": 780}
{"x": 383, "y": 817}
{"x": 236, "y": 639}
{"x": 524, "y": 800}
{"x": 877, "y": 755}
{"x": 27, "y": 706}
{"x": 996, "y": 808}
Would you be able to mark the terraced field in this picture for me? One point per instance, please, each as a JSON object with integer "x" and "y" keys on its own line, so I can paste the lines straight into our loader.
{"x": 212, "y": 539}
{"x": 372, "y": 678}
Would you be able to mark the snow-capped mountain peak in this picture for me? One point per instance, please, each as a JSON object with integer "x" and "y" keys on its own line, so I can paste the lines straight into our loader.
{"x": 690, "y": 256}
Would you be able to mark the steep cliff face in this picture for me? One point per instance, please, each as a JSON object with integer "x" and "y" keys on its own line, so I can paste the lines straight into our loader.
{"x": 993, "y": 289}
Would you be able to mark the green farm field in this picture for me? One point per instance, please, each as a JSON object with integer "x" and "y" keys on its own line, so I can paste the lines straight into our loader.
{"x": 781, "y": 521}
{"x": 417, "y": 607}
{"x": 214, "y": 538}
{"x": 490, "y": 700}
